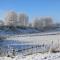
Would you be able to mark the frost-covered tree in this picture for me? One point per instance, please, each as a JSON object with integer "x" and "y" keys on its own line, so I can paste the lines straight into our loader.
{"x": 46, "y": 21}
{"x": 1, "y": 23}
{"x": 42, "y": 22}
{"x": 11, "y": 18}
{"x": 36, "y": 23}
{"x": 23, "y": 19}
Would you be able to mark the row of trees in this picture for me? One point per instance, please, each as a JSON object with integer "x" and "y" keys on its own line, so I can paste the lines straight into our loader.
{"x": 43, "y": 22}
{"x": 14, "y": 19}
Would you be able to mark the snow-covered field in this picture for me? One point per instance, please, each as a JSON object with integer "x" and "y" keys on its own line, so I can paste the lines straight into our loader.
{"x": 37, "y": 56}
{"x": 38, "y": 39}
{"x": 49, "y": 39}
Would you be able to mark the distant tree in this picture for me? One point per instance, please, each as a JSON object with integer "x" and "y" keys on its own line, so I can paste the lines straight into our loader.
{"x": 11, "y": 18}
{"x": 23, "y": 19}
{"x": 43, "y": 22}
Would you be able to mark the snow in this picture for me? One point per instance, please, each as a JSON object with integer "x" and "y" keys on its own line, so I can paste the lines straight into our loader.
{"x": 37, "y": 56}
{"x": 40, "y": 38}
{"x": 52, "y": 40}
{"x": 18, "y": 31}
{"x": 24, "y": 31}
{"x": 37, "y": 39}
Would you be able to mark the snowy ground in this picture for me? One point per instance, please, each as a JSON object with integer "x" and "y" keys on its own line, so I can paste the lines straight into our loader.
{"x": 37, "y": 56}
{"x": 38, "y": 39}
{"x": 52, "y": 39}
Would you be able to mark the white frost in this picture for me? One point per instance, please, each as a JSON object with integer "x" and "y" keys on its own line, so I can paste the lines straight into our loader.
{"x": 37, "y": 56}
